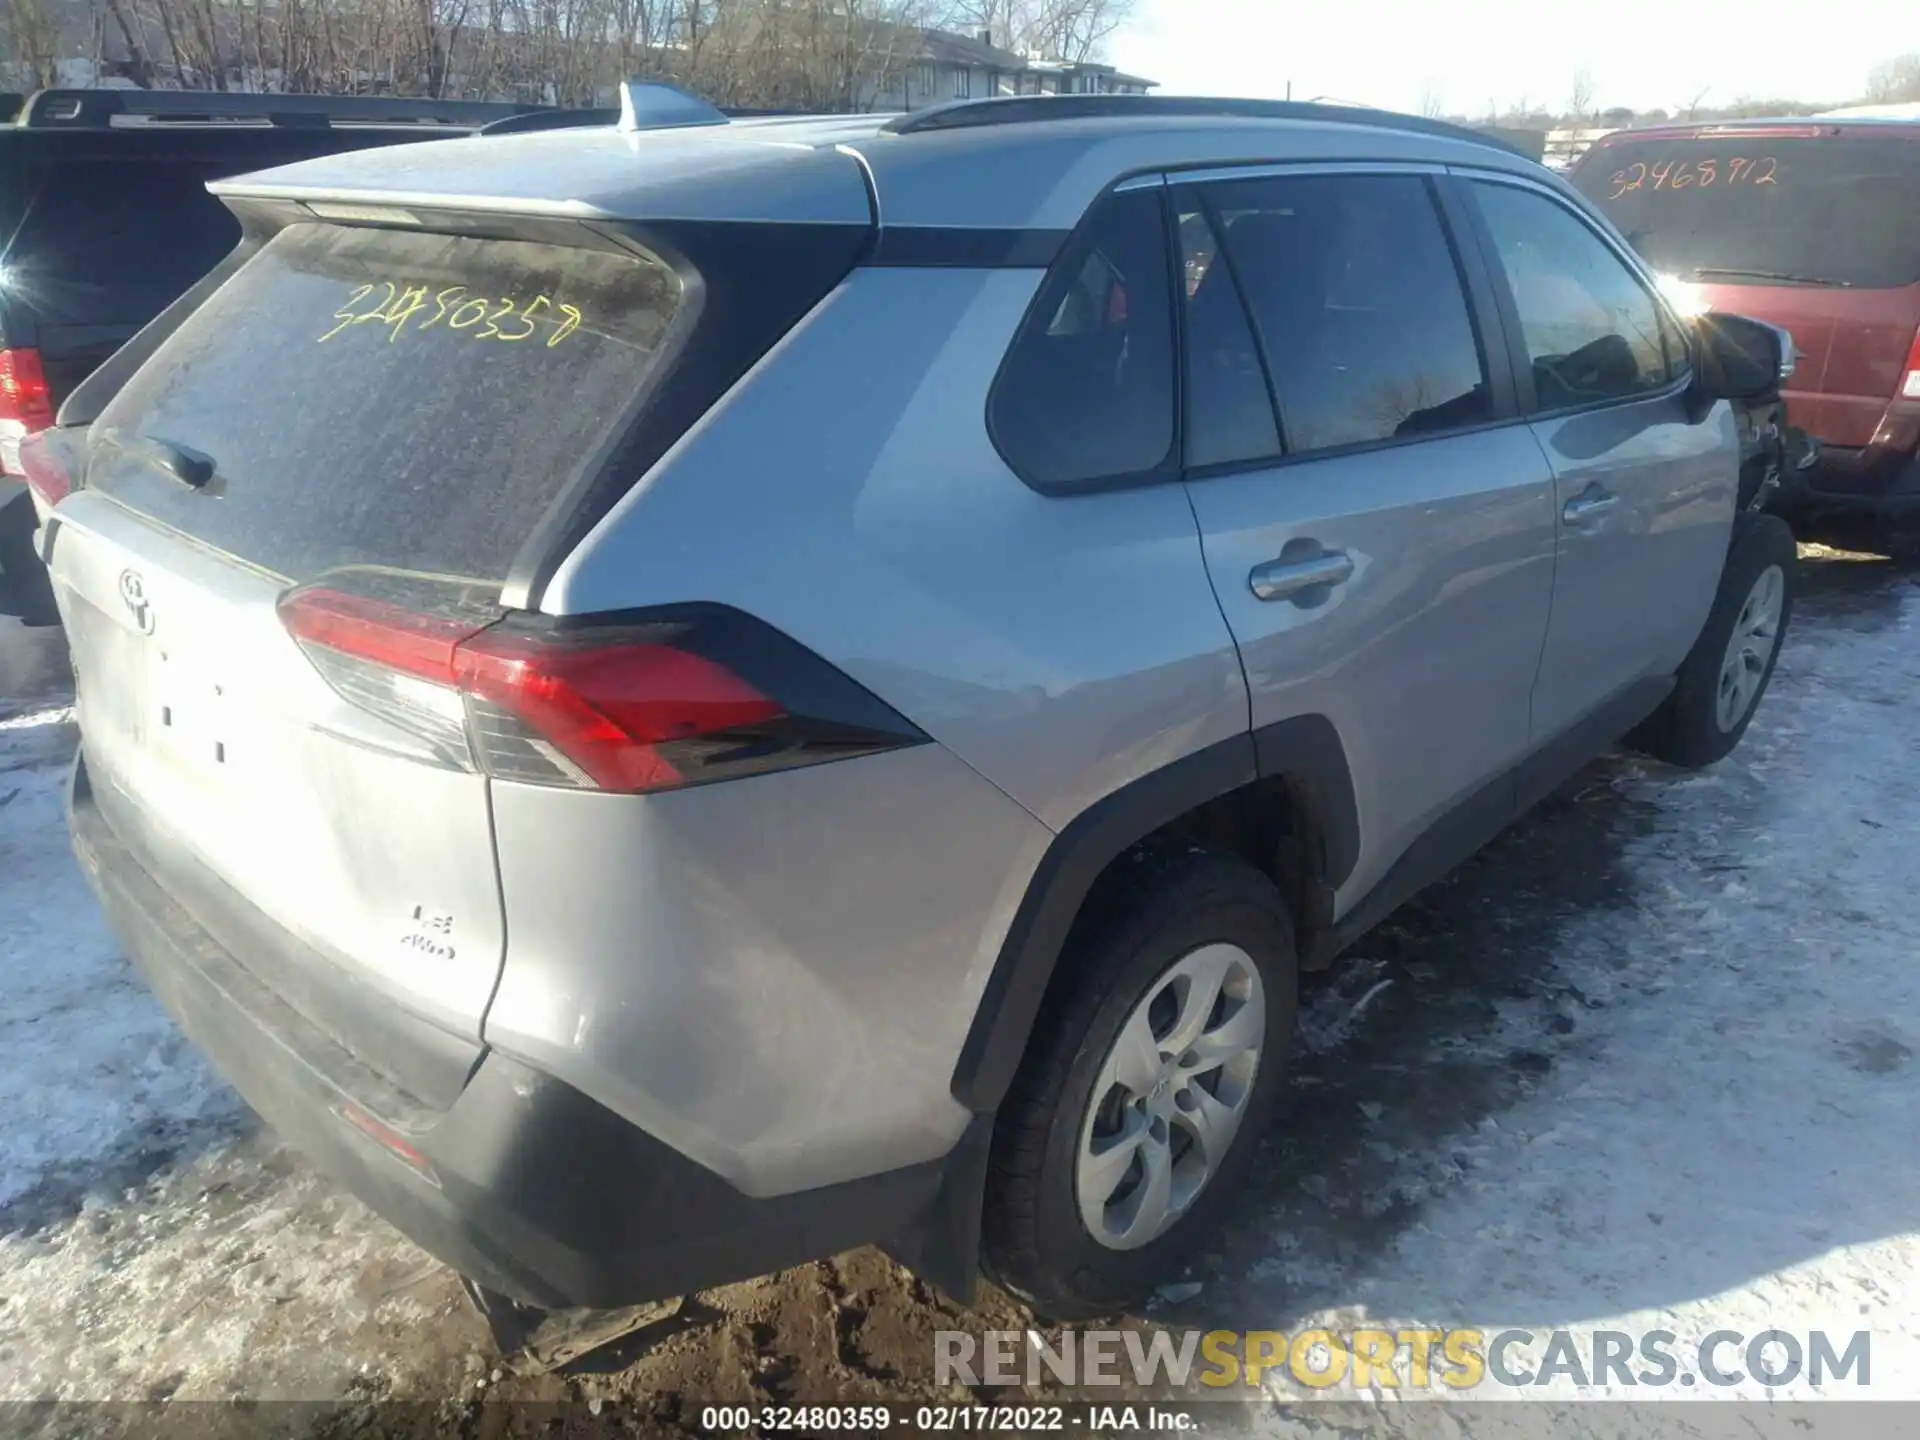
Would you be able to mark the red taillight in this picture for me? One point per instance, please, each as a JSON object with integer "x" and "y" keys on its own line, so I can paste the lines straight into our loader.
{"x": 378, "y": 630}
{"x": 45, "y": 468}
{"x": 628, "y": 708}
{"x": 26, "y": 404}
{"x": 24, "y": 395}
{"x": 389, "y": 1139}
{"x": 1910, "y": 380}
{"x": 610, "y": 709}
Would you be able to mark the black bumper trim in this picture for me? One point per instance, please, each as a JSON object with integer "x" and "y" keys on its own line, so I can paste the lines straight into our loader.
{"x": 534, "y": 1189}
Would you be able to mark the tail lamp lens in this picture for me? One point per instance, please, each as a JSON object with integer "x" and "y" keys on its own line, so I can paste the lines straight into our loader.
{"x": 650, "y": 702}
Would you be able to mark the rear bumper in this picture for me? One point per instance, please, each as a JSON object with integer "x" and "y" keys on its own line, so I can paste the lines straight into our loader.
{"x": 522, "y": 1183}
{"x": 1844, "y": 480}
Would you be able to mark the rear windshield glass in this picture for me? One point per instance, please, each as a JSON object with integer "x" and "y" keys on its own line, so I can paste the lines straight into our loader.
{"x": 377, "y": 397}
{"x": 1758, "y": 209}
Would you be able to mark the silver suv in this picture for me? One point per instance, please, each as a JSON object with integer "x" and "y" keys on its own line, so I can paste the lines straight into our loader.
{"x": 669, "y": 700}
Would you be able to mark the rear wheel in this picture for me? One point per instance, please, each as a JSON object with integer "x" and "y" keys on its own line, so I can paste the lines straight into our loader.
{"x": 1149, "y": 1079}
{"x": 1728, "y": 670}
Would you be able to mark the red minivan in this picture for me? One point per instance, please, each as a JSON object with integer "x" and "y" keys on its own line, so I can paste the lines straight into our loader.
{"x": 1814, "y": 225}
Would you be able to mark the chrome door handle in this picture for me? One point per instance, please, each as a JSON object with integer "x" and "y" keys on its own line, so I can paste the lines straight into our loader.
{"x": 1590, "y": 504}
{"x": 1279, "y": 579}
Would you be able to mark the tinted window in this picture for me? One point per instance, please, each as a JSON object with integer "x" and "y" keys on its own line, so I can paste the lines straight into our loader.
{"x": 1759, "y": 207}
{"x": 1353, "y": 286}
{"x": 1086, "y": 392}
{"x": 1229, "y": 409}
{"x": 376, "y": 397}
{"x": 1592, "y": 331}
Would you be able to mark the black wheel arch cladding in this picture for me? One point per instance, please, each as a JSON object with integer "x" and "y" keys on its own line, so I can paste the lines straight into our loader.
{"x": 1305, "y": 750}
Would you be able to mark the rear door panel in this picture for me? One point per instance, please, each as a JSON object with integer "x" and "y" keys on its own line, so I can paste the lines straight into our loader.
{"x": 1425, "y": 658}
{"x": 1394, "y": 401}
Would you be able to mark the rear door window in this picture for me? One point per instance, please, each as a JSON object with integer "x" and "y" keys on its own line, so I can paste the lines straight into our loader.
{"x": 1763, "y": 206}
{"x": 1353, "y": 286}
{"x": 389, "y": 398}
{"x": 1087, "y": 390}
{"x": 1592, "y": 331}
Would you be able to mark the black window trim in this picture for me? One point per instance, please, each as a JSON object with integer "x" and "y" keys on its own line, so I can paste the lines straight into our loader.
{"x": 1482, "y": 288}
{"x": 1462, "y": 179}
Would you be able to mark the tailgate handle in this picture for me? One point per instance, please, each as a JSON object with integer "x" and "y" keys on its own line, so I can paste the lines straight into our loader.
{"x": 177, "y": 462}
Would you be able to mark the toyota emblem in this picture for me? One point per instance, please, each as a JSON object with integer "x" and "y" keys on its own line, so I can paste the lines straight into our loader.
{"x": 133, "y": 594}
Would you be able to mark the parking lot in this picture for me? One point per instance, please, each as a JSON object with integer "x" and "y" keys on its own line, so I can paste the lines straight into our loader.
{"x": 1650, "y": 1059}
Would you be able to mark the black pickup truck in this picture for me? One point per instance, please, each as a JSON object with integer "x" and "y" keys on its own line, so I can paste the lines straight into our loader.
{"x": 105, "y": 220}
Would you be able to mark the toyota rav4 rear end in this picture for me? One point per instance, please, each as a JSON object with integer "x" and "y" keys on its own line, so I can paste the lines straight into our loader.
{"x": 530, "y": 925}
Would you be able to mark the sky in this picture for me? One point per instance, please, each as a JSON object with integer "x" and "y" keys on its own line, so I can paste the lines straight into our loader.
{"x": 1391, "y": 53}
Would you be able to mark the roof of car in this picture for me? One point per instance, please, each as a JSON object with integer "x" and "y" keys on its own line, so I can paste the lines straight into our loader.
{"x": 1834, "y": 124}
{"x": 993, "y": 164}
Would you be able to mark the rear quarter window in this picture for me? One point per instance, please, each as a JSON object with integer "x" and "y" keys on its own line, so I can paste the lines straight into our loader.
{"x": 390, "y": 398}
{"x": 1086, "y": 393}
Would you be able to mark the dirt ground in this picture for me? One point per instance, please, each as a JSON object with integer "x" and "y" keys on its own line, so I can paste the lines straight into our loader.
{"x": 206, "y": 1261}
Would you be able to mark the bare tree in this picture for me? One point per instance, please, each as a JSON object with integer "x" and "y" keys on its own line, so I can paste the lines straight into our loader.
{"x": 1895, "y": 80}
{"x": 1071, "y": 30}
{"x": 1433, "y": 100}
{"x": 1580, "y": 99}
{"x": 33, "y": 44}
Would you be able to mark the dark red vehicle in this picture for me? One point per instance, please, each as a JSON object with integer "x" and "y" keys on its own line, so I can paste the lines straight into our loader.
{"x": 1813, "y": 225}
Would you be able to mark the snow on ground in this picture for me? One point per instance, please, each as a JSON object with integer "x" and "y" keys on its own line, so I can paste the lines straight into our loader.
{"x": 1649, "y": 1062}
{"x": 1719, "y": 1132}
{"x": 95, "y": 1075}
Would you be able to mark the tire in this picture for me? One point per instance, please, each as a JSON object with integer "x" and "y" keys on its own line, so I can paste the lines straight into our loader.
{"x": 1693, "y": 727}
{"x": 1137, "y": 955}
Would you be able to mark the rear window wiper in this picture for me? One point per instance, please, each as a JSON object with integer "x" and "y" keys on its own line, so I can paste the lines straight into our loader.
{"x": 177, "y": 462}
{"x": 1782, "y": 276}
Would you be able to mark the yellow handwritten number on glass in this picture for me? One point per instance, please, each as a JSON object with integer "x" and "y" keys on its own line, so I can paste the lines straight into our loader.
{"x": 525, "y": 317}
{"x": 378, "y": 312}
{"x": 345, "y": 314}
{"x": 411, "y": 302}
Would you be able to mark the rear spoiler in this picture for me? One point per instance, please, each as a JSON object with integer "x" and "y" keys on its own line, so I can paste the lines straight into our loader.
{"x": 99, "y": 109}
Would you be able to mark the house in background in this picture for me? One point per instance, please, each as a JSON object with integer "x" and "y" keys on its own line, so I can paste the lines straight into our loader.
{"x": 936, "y": 67}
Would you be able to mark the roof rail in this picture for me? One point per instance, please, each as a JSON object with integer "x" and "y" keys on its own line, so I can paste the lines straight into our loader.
{"x": 550, "y": 120}
{"x": 96, "y": 109}
{"x": 1020, "y": 109}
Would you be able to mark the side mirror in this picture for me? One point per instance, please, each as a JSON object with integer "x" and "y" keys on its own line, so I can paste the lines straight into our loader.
{"x": 1736, "y": 358}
